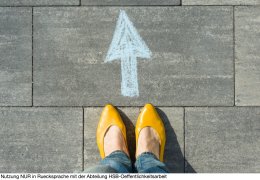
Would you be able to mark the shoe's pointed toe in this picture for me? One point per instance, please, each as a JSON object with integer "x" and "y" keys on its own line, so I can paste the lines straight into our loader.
{"x": 149, "y": 117}
{"x": 109, "y": 117}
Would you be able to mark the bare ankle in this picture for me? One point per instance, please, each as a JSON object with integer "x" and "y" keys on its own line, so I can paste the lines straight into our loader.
{"x": 114, "y": 141}
{"x": 148, "y": 141}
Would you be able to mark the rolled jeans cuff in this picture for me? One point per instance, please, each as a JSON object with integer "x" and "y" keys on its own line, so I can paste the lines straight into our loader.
{"x": 119, "y": 161}
{"x": 147, "y": 162}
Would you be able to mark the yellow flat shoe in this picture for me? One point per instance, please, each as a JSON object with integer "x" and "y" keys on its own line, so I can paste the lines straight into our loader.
{"x": 109, "y": 117}
{"x": 150, "y": 118}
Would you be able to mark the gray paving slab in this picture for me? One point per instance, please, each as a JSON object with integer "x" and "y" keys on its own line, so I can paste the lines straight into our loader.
{"x": 223, "y": 139}
{"x": 173, "y": 119}
{"x": 220, "y": 2}
{"x": 16, "y": 56}
{"x": 37, "y": 2}
{"x": 41, "y": 140}
{"x": 192, "y": 61}
{"x": 130, "y": 2}
{"x": 247, "y": 32}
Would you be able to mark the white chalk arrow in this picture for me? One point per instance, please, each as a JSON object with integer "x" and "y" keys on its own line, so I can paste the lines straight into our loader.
{"x": 127, "y": 45}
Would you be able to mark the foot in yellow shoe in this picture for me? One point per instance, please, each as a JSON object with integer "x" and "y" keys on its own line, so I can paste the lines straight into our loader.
{"x": 114, "y": 141}
{"x": 150, "y": 132}
{"x": 111, "y": 132}
{"x": 148, "y": 141}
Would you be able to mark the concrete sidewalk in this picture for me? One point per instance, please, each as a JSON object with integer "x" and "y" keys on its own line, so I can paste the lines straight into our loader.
{"x": 203, "y": 75}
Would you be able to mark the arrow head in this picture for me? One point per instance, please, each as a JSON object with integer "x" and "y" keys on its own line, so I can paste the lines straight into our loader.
{"x": 126, "y": 41}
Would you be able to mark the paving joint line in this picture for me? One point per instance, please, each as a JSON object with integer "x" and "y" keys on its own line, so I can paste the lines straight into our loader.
{"x": 171, "y": 5}
{"x": 127, "y": 5}
{"x": 83, "y": 143}
{"x": 224, "y": 5}
{"x": 33, "y": 6}
{"x": 184, "y": 145}
{"x": 80, "y": 5}
{"x": 32, "y": 55}
{"x": 234, "y": 54}
{"x": 130, "y": 106}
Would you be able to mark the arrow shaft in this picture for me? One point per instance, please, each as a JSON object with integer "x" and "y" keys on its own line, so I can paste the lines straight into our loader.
{"x": 127, "y": 45}
{"x": 129, "y": 83}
